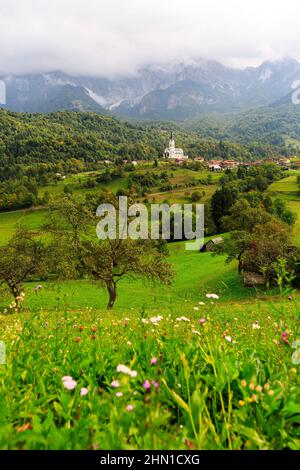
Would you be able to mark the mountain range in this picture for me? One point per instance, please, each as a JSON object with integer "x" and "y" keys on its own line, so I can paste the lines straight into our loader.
{"x": 158, "y": 92}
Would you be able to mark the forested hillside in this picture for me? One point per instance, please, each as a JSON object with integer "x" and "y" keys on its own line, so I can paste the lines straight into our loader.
{"x": 27, "y": 139}
{"x": 277, "y": 125}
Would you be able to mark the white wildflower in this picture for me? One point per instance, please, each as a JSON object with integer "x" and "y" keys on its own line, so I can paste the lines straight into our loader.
{"x": 125, "y": 370}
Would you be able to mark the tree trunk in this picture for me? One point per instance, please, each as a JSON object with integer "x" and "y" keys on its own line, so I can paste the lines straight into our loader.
{"x": 16, "y": 291}
{"x": 112, "y": 292}
{"x": 241, "y": 264}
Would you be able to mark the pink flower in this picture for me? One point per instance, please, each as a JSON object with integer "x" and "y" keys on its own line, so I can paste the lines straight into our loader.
{"x": 129, "y": 407}
{"x": 153, "y": 361}
{"x": 115, "y": 384}
{"x": 147, "y": 385}
{"x": 202, "y": 321}
{"x": 284, "y": 337}
{"x": 68, "y": 382}
{"x": 83, "y": 391}
{"x": 66, "y": 378}
{"x": 155, "y": 384}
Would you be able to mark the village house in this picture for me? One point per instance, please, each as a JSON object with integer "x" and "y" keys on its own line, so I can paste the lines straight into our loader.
{"x": 209, "y": 246}
{"x": 229, "y": 164}
{"x": 284, "y": 162}
{"x": 199, "y": 159}
{"x": 215, "y": 167}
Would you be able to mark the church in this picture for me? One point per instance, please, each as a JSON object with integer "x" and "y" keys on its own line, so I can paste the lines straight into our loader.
{"x": 173, "y": 152}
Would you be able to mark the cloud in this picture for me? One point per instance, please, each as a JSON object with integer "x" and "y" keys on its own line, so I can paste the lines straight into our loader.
{"x": 111, "y": 37}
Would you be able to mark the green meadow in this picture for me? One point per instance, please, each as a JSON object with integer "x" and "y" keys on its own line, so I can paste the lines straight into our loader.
{"x": 288, "y": 190}
{"x": 205, "y": 363}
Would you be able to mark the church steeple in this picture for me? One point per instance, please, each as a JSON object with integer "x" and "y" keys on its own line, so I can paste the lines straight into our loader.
{"x": 172, "y": 141}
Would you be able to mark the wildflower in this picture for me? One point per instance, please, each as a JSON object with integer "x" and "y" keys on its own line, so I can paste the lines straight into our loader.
{"x": 115, "y": 384}
{"x": 129, "y": 407}
{"x": 119, "y": 394}
{"x": 275, "y": 341}
{"x": 201, "y": 303}
{"x": 228, "y": 338}
{"x": 196, "y": 308}
{"x": 284, "y": 337}
{"x": 125, "y": 370}
{"x": 81, "y": 328}
{"x": 183, "y": 319}
{"x": 241, "y": 403}
{"x": 267, "y": 386}
{"x": 38, "y": 288}
{"x": 68, "y": 382}
{"x": 243, "y": 383}
{"x": 254, "y": 398}
{"x": 271, "y": 393}
{"x": 296, "y": 357}
{"x": 145, "y": 321}
{"x": 195, "y": 332}
{"x": 156, "y": 320}
{"x": 293, "y": 370}
{"x": 93, "y": 337}
{"x": 66, "y": 378}
{"x": 252, "y": 386}
{"x": 256, "y": 325}
{"x": 296, "y": 344}
{"x": 212, "y": 296}
{"x": 94, "y": 329}
{"x": 259, "y": 388}
{"x": 83, "y": 391}
{"x": 155, "y": 384}
{"x": 74, "y": 326}
{"x": 153, "y": 361}
{"x": 147, "y": 385}
{"x": 77, "y": 339}
{"x": 129, "y": 343}
{"x": 202, "y": 321}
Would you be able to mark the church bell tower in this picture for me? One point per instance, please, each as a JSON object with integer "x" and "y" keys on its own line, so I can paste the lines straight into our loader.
{"x": 172, "y": 143}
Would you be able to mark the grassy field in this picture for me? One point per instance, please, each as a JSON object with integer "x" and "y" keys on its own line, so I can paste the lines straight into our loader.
{"x": 196, "y": 274}
{"x": 213, "y": 378}
{"x": 287, "y": 190}
{"x": 168, "y": 368}
{"x": 36, "y": 217}
{"x": 31, "y": 218}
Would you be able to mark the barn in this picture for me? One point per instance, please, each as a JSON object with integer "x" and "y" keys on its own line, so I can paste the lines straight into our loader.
{"x": 209, "y": 246}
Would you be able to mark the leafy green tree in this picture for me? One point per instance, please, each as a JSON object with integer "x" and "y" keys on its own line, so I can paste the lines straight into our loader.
{"x": 221, "y": 202}
{"x": 78, "y": 252}
{"x": 196, "y": 196}
{"x": 22, "y": 257}
{"x": 243, "y": 217}
{"x": 280, "y": 210}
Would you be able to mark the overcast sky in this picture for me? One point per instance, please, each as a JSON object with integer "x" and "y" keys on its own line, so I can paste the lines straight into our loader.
{"x": 110, "y": 37}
